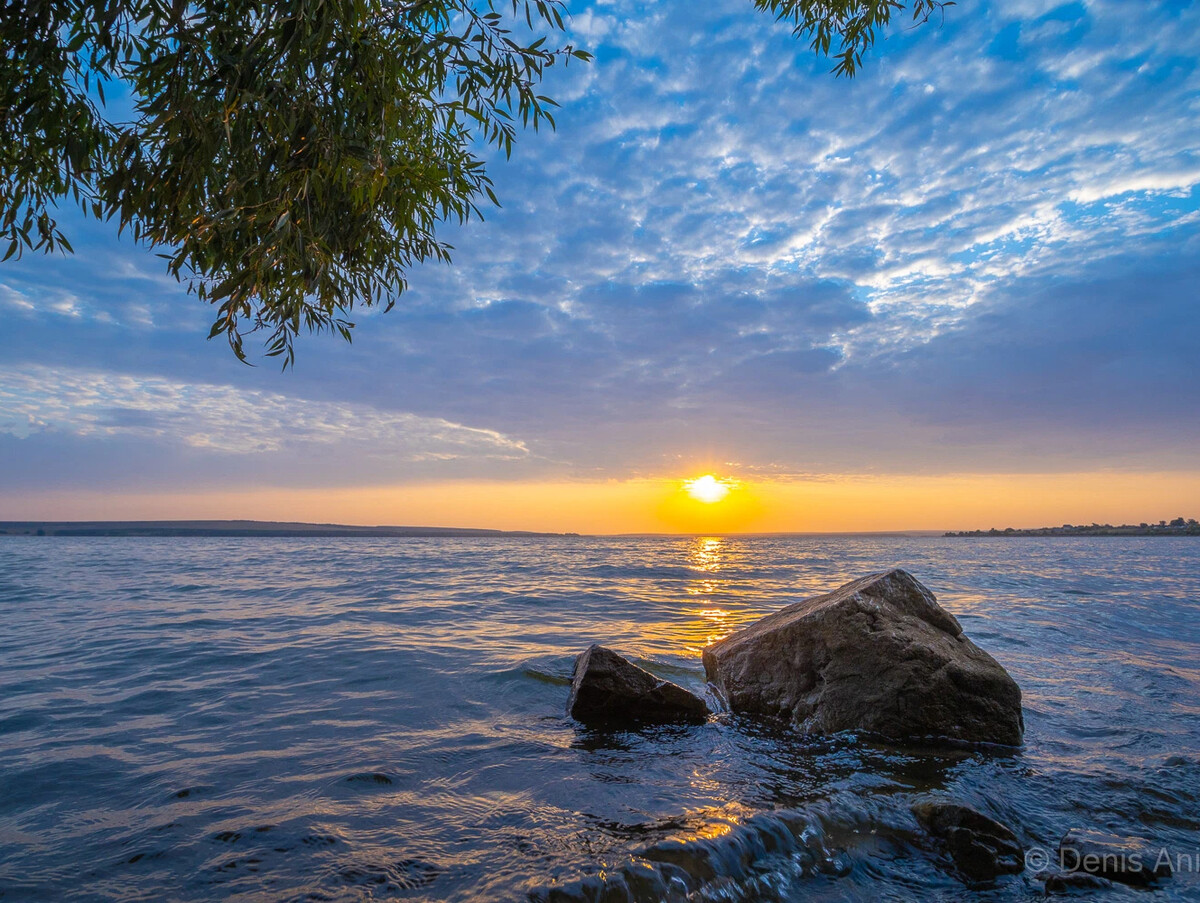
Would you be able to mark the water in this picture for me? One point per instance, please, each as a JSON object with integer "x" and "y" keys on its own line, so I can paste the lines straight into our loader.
{"x": 315, "y": 719}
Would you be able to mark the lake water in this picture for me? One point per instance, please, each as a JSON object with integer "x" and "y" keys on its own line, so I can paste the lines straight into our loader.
{"x": 346, "y": 719}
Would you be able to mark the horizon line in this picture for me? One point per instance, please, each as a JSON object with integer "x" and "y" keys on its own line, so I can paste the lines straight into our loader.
{"x": 233, "y": 527}
{"x": 250, "y": 527}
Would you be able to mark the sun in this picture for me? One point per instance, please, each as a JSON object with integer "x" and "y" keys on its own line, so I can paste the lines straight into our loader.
{"x": 708, "y": 489}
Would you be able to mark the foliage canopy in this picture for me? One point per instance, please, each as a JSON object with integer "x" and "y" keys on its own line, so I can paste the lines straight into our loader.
{"x": 292, "y": 160}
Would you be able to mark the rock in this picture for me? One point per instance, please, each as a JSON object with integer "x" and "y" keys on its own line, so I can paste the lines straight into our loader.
{"x": 637, "y": 881}
{"x": 880, "y": 655}
{"x": 607, "y": 687}
{"x": 1072, "y": 882}
{"x": 1129, "y": 860}
{"x": 982, "y": 849}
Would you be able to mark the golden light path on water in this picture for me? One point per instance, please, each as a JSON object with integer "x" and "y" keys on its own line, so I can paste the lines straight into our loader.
{"x": 713, "y": 623}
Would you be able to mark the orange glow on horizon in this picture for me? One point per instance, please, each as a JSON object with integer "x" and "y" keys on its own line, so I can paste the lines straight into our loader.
{"x": 708, "y": 505}
{"x": 834, "y": 503}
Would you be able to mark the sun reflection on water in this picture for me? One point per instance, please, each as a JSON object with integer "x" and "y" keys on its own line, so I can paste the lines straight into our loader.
{"x": 706, "y": 554}
{"x": 711, "y": 621}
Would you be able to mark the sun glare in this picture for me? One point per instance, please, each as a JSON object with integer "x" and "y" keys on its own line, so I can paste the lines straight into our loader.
{"x": 708, "y": 489}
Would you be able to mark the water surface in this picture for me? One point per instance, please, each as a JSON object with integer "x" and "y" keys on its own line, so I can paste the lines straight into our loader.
{"x": 346, "y": 719}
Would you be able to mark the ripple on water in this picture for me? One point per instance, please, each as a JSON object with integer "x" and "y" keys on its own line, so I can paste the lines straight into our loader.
{"x": 364, "y": 719}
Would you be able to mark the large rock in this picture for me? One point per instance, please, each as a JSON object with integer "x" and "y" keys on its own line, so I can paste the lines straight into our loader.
{"x": 877, "y": 655}
{"x": 607, "y": 687}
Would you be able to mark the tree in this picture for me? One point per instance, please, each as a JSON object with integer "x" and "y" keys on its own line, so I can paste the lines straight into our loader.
{"x": 293, "y": 160}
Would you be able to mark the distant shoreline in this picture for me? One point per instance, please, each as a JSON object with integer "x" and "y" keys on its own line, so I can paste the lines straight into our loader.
{"x": 276, "y": 529}
{"x": 1177, "y": 527}
{"x": 298, "y": 530}
{"x": 236, "y": 528}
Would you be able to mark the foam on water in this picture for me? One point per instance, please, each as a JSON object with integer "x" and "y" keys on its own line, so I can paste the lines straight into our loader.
{"x": 336, "y": 719}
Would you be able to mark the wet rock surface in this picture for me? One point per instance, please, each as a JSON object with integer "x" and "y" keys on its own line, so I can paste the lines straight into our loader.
{"x": 1128, "y": 860}
{"x": 880, "y": 655}
{"x": 981, "y": 848}
{"x": 737, "y": 866}
{"x": 608, "y": 688}
{"x": 1073, "y": 883}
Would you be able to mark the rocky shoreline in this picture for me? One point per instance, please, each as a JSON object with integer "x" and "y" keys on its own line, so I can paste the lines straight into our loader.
{"x": 877, "y": 657}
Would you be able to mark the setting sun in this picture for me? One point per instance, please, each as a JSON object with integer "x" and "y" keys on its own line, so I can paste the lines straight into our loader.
{"x": 708, "y": 489}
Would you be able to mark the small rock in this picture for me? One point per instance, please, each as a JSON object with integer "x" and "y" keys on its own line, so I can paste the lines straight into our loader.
{"x": 982, "y": 849}
{"x": 607, "y": 687}
{"x": 1129, "y": 860}
{"x": 880, "y": 655}
{"x": 1072, "y": 882}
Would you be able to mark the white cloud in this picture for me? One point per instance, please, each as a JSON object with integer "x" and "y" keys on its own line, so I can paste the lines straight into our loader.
{"x": 1136, "y": 182}
{"x": 225, "y": 418}
{"x": 14, "y": 299}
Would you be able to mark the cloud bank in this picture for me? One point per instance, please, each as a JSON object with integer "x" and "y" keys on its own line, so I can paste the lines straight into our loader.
{"x": 978, "y": 255}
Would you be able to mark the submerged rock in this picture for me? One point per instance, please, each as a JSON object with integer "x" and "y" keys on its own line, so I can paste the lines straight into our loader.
{"x": 1129, "y": 860}
{"x": 607, "y": 687}
{"x": 880, "y": 655}
{"x": 1072, "y": 882}
{"x": 757, "y": 860}
{"x": 982, "y": 849}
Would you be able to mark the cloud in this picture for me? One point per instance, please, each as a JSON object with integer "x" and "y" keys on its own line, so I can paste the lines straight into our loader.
{"x": 1146, "y": 181}
{"x": 225, "y": 419}
{"x": 975, "y": 254}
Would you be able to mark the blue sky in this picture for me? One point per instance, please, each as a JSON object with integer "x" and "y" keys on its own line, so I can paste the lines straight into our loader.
{"x": 980, "y": 255}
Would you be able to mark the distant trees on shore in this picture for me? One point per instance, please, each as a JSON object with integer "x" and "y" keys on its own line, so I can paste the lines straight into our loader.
{"x": 1180, "y": 526}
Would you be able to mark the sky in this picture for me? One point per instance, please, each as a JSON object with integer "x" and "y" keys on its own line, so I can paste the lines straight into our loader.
{"x": 958, "y": 291}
